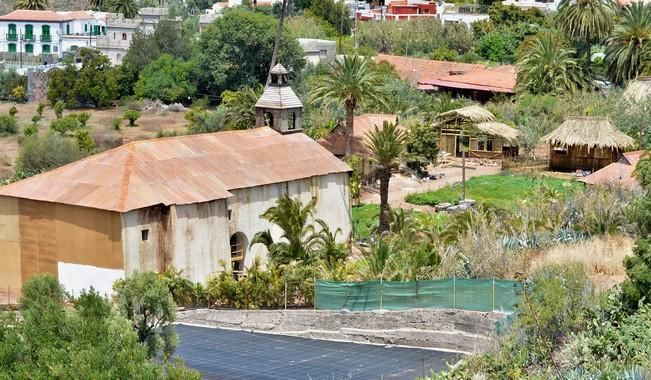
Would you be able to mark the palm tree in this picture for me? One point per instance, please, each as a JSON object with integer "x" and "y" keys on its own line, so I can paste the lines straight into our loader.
{"x": 96, "y": 4}
{"x": 586, "y": 20}
{"x": 353, "y": 82}
{"x": 240, "y": 107}
{"x": 128, "y": 8}
{"x": 546, "y": 66}
{"x": 35, "y": 5}
{"x": 387, "y": 145}
{"x": 630, "y": 39}
{"x": 327, "y": 249}
{"x": 298, "y": 238}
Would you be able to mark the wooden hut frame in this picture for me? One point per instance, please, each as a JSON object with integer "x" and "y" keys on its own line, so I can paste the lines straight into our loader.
{"x": 474, "y": 130}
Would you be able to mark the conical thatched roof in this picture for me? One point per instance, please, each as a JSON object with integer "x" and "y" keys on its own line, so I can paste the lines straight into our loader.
{"x": 638, "y": 90}
{"x": 475, "y": 114}
{"x": 494, "y": 128}
{"x": 593, "y": 132}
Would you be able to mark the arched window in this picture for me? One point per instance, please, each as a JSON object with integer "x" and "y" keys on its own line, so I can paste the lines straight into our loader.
{"x": 118, "y": 58}
{"x": 124, "y": 36}
{"x": 238, "y": 251}
{"x": 268, "y": 119}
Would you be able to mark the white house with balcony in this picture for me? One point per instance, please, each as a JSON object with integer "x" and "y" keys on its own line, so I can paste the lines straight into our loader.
{"x": 119, "y": 31}
{"x": 27, "y": 33}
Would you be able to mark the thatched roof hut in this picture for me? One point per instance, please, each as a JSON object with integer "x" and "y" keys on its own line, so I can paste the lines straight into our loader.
{"x": 638, "y": 90}
{"x": 476, "y": 128}
{"x": 584, "y": 142}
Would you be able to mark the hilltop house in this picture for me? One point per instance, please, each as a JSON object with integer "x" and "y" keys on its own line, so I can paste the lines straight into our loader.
{"x": 191, "y": 201}
{"x": 29, "y": 33}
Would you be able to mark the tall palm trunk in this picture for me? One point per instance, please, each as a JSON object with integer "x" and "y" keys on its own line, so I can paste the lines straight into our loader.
{"x": 274, "y": 55}
{"x": 384, "y": 175}
{"x": 588, "y": 50}
{"x": 350, "y": 115}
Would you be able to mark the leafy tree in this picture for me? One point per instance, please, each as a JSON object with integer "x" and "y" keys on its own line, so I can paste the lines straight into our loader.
{"x": 205, "y": 121}
{"x": 9, "y": 80}
{"x": 18, "y": 94}
{"x": 96, "y": 82}
{"x": 387, "y": 146}
{"x": 240, "y": 107}
{"x": 90, "y": 338}
{"x": 145, "y": 300}
{"x": 498, "y": 46}
{"x": 30, "y": 129}
{"x": 546, "y": 66}
{"x": 132, "y": 116}
{"x": 35, "y": 5}
{"x": 128, "y": 8}
{"x": 235, "y": 51}
{"x": 336, "y": 13}
{"x": 298, "y": 236}
{"x": 8, "y": 125}
{"x": 637, "y": 287}
{"x": 61, "y": 85}
{"x": 422, "y": 142}
{"x": 40, "y": 153}
{"x": 168, "y": 37}
{"x": 589, "y": 21}
{"x": 509, "y": 15}
{"x": 627, "y": 43}
{"x": 97, "y": 4}
{"x": 350, "y": 81}
{"x": 167, "y": 79}
{"x": 305, "y": 26}
{"x": 84, "y": 141}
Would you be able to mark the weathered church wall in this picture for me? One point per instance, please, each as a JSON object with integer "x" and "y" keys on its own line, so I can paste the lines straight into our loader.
{"x": 201, "y": 238}
{"x": 333, "y": 206}
{"x": 67, "y": 241}
{"x": 147, "y": 239}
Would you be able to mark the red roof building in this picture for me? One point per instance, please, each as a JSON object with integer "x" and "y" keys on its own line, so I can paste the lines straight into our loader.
{"x": 476, "y": 81}
{"x": 619, "y": 173}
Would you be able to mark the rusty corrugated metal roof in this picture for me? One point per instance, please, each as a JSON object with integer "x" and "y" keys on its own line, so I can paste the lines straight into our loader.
{"x": 180, "y": 170}
{"x": 620, "y": 172}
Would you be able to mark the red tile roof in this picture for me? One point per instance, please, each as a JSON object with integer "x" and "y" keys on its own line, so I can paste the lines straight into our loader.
{"x": 180, "y": 170}
{"x": 617, "y": 173}
{"x": 335, "y": 141}
{"x": 426, "y": 74}
{"x": 45, "y": 16}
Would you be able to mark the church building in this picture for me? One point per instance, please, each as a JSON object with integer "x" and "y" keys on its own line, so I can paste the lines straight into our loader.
{"x": 189, "y": 201}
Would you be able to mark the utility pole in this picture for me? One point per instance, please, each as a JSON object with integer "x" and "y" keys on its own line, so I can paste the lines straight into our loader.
{"x": 341, "y": 23}
{"x": 356, "y": 25}
{"x": 274, "y": 55}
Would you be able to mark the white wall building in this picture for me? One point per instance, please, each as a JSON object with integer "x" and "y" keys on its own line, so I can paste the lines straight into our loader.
{"x": 35, "y": 33}
{"x": 317, "y": 50}
{"x": 119, "y": 31}
{"x": 546, "y": 6}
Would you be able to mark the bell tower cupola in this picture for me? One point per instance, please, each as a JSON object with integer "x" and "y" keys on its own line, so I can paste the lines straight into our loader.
{"x": 279, "y": 107}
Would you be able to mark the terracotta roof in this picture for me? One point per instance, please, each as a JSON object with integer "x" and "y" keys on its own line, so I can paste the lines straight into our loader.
{"x": 29, "y": 15}
{"x": 426, "y": 74}
{"x": 335, "y": 141}
{"x": 180, "y": 170}
{"x": 78, "y": 15}
{"x": 618, "y": 173}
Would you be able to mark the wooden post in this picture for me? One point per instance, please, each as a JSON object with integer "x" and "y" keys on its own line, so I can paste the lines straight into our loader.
{"x": 286, "y": 295}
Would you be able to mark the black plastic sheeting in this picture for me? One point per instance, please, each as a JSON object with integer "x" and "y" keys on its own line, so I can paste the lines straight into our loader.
{"x": 227, "y": 354}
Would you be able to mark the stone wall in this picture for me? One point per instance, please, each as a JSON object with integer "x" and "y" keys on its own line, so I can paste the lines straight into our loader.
{"x": 453, "y": 330}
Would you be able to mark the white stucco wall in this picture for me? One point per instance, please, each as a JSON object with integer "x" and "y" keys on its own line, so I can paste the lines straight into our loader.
{"x": 77, "y": 277}
{"x": 333, "y": 206}
{"x": 200, "y": 238}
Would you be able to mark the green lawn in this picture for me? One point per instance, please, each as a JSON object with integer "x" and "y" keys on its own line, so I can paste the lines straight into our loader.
{"x": 366, "y": 219}
{"x": 500, "y": 191}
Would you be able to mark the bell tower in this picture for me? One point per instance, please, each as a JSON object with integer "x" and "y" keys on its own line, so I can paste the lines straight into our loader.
{"x": 279, "y": 107}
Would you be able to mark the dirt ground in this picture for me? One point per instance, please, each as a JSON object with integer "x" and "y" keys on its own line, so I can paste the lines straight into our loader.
{"x": 401, "y": 185}
{"x": 100, "y": 125}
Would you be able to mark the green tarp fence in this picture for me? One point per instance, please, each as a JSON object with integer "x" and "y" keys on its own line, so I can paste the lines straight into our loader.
{"x": 465, "y": 294}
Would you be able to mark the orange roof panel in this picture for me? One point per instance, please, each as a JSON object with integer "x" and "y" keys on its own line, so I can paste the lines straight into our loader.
{"x": 180, "y": 170}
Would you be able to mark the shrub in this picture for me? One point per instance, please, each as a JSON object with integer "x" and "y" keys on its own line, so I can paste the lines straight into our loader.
{"x": 45, "y": 152}
{"x": 184, "y": 292}
{"x": 18, "y": 94}
{"x": 84, "y": 141}
{"x": 8, "y": 125}
{"x": 36, "y": 119}
{"x": 65, "y": 126}
{"x": 13, "y": 111}
{"x": 132, "y": 116}
{"x": 115, "y": 123}
{"x": 40, "y": 108}
{"x": 83, "y": 118}
{"x": 58, "y": 109}
{"x": 30, "y": 130}
{"x": 443, "y": 54}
